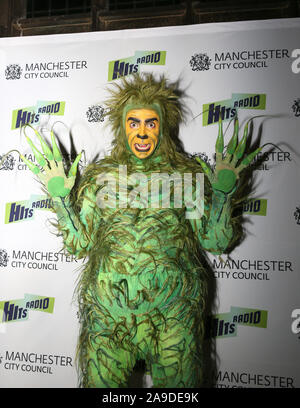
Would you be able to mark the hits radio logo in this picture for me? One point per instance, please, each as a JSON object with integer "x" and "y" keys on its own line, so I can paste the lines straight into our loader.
{"x": 255, "y": 206}
{"x": 225, "y": 324}
{"x": 18, "y": 309}
{"x": 227, "y": 109}
{"x": 126, "y": 66}
{"x": 31, "y": 115}
{"x": 24, "y": 210}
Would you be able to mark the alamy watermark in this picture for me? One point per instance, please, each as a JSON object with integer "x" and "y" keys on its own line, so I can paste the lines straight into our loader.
{"x": 139, "y": 190}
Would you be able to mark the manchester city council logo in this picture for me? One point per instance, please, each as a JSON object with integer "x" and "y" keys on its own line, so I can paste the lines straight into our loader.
{"x": 200, "y": 62}
{"x": 13, "y": 71}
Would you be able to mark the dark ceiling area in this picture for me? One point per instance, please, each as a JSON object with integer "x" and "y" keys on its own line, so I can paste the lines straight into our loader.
{"x": 36, "y": 17}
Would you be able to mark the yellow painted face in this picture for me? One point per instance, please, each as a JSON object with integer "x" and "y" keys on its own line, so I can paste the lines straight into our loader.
{"x": 142, "y": 131}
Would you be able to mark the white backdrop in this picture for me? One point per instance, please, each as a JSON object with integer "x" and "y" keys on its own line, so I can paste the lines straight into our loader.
{"x": 60, "y": 79}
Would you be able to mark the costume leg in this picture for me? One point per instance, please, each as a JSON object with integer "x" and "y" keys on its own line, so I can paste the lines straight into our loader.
{"x": 178, "y": 363}
{"x": 106, "y": 365}
{"x": 106, "y": 353}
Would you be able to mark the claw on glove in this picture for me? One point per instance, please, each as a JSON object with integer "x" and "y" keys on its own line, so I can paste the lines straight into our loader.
{"x": 73, "y": 169}
{"x": 239, "y": 151}
{"x": 38, "y": 155}
{"x": 46, "y": 150}
{"x": 248, "y": 159}
{"x": 220, "y": 139}
{"x": 56, "y": 152}
{"x": 30, "y": 165}
{"x": 234, "y": 140}
{"x": 204, "y": 166}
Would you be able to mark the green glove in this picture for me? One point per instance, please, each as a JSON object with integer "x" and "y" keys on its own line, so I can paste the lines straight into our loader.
{"x": 53, "y": 174}
{"x": 225, "y": 176}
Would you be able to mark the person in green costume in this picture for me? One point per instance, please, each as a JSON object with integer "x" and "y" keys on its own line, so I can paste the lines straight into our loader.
{"x": 143, "y": 289}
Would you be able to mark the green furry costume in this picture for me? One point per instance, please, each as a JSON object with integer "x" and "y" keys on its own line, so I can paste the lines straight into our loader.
{"x": 143, "y": 289}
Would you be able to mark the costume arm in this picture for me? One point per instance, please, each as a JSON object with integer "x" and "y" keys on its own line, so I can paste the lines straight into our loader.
{"x": 75, "y": 225}
{"x": 77, "y": 229}
{"x": 214, "y": 229}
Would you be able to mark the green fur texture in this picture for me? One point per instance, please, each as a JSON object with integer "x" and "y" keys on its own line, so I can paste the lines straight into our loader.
{"x": 143, "y": 289}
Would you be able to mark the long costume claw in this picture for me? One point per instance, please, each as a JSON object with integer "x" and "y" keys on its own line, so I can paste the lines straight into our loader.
{"x": 204, "y": 166}
{"x": 220, "y": 139}
{"x": 38, "y": 155}
{"x": 242, "y": 145}
{"x": 30, "y": 165}
{"x": 73, "y": 169}
{"x": 233, "y": 141}
{"x": 56, "y": 152}
{"x": 46, "y": 150}
{"x": 248, "y": 159}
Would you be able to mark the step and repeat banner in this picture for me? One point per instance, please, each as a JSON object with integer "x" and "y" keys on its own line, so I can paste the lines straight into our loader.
{"x": 59, "y": 81}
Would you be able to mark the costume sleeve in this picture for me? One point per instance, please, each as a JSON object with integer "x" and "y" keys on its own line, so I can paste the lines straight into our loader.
{"x": 214, "y": 229}
{"x": 77, "y": 226}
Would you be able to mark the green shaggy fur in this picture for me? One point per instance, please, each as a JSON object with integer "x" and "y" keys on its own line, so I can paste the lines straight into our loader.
{"x": 143, "y": 290}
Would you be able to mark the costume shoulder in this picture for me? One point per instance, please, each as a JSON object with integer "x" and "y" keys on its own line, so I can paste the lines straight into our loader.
{"x": 92, "y": 170}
